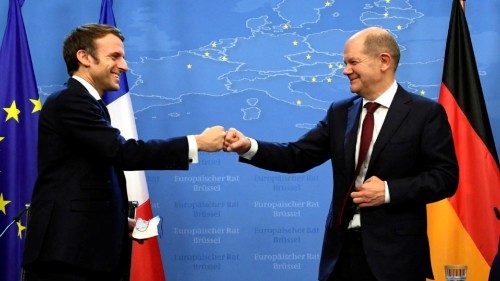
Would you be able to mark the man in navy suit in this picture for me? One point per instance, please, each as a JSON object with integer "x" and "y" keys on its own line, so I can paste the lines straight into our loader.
{"x": 376, "y": 228}
{"x": 78, "y": 226}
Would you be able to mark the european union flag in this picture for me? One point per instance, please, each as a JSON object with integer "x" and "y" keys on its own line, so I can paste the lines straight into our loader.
{"x": 19, "y": 110}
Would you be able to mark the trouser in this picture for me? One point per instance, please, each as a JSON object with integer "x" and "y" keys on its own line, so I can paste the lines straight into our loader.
{"x": 352, "y": 264}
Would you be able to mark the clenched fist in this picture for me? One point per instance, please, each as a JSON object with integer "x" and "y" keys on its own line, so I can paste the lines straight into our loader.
{"x": 211, "y": 139}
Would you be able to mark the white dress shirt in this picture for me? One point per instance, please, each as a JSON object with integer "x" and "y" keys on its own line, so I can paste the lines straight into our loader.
{"x": 379, "y": 115}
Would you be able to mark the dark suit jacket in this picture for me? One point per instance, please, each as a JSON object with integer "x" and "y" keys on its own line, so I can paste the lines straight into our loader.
{"x": 414, "y": 153}
{"x": 79, "y": 206}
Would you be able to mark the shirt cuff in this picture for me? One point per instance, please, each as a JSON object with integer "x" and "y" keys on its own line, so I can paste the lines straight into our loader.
{"x": 193, "y": 149}
{"x": 252, "y": 151}
{"x": 387, "y": 195}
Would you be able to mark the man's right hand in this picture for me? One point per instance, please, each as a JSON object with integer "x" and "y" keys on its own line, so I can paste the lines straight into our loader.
{"x": 235, "y": 141}
{"x": 211, "y": 139}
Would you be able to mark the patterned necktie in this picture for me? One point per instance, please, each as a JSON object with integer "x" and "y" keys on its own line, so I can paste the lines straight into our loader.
{"x": 366, "y": 139}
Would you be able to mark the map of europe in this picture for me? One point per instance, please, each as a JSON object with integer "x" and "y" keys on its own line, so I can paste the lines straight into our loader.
{"x": 269, "y": 68}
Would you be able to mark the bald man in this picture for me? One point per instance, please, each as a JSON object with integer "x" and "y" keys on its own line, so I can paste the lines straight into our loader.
{"x": 391, "y": 152}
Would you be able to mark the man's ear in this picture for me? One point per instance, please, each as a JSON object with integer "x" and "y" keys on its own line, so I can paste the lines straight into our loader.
{"x": 386, "y": 61}
{"x": 83, "y": 57}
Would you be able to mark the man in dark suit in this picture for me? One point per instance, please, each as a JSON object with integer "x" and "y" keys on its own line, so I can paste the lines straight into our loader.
{"x": 384, "y": 175}
{"x": 78, "y": 227}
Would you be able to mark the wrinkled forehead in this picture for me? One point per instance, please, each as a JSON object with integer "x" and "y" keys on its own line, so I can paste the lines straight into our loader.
{"x": 354, "y": 47}
{"x": 109, "y": 44}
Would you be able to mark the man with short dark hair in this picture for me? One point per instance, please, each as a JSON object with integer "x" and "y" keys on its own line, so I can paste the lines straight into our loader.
{"x": 78, "y": 227}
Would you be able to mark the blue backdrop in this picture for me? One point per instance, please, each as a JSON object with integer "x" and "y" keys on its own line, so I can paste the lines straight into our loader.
{"x": 269, "y": 68}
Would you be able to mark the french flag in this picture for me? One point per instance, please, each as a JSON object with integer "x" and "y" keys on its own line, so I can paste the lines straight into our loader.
{"x": 146, "y": 258}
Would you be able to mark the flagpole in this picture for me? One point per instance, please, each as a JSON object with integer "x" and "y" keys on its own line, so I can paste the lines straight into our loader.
{"x": 462, "y": 2}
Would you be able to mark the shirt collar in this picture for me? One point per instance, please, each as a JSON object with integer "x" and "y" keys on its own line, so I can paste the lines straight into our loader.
{"x": 386, "y": 98}
{"x": 92, "y": 91}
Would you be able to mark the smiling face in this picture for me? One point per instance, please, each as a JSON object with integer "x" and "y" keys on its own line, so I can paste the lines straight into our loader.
{"x": 362, "y": 69}
{"x": 102, "y": 69}
{"x": 369, "y": 71}
{"x": 105, "y": 69}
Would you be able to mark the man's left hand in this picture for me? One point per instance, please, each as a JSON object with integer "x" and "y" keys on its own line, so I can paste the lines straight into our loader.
{"x": 131, "y": 225}
{"x": 370, "y": 194}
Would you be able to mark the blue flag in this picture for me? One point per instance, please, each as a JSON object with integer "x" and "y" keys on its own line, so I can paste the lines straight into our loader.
{"x": 108, "y": 17}
{"x": 19, "y": 110}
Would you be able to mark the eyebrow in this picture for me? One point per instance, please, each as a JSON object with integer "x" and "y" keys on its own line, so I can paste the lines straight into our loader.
{"x": 117, "y": 54}
{"x": 352, "y": 59}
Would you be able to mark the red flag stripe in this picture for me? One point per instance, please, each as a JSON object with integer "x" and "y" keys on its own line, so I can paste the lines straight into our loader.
{"x": 462, "y": 78}
{"x": 477, "y": 192}
{"x": 146, "y": 253}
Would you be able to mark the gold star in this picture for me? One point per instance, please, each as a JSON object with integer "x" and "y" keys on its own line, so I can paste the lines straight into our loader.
{"x": 340, "y": 66}
{"x": 399, "y": 27}
{"x": 214, "y": 45}
{"x": 20, "y": 229}
{"x": 313, "y": 79}
{"x": 308, "y": 56}
{"x": 38, "y": 105}
{"x": 1, "y": 138}
{"x": 295, "y": 43}
{"x": 224, "y": 58}
{"x": 206, "y": 54}
{"x": 330, "y": 66}
{"x": 328, "y": 4}
{"x": 329, "y": 79}
{"x": 422, "y": 92}
{"x": 386, "y": 14}
{"x": 298, "y": 102}
{"x": 3, "y": 203}
{"x": 189, "y": 66}
{"x": 286, "y": 26}
{"x": 387, "y": 1}
{"x": 12, "y": 112}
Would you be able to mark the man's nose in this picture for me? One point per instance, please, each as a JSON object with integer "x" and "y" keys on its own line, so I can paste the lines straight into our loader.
{"x": 347, "y": 70}
{"x": 123, "y": 66}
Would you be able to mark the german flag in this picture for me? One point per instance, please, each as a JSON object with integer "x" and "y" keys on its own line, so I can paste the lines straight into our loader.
{"x": 464, "y": 229}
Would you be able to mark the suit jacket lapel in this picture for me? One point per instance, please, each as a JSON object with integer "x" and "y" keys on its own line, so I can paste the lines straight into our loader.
{"x": 104, "y": 109}
{"x": 397, "y": 113}
{"x": 353, "y": 113}
{"x": 73, "y": 83}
